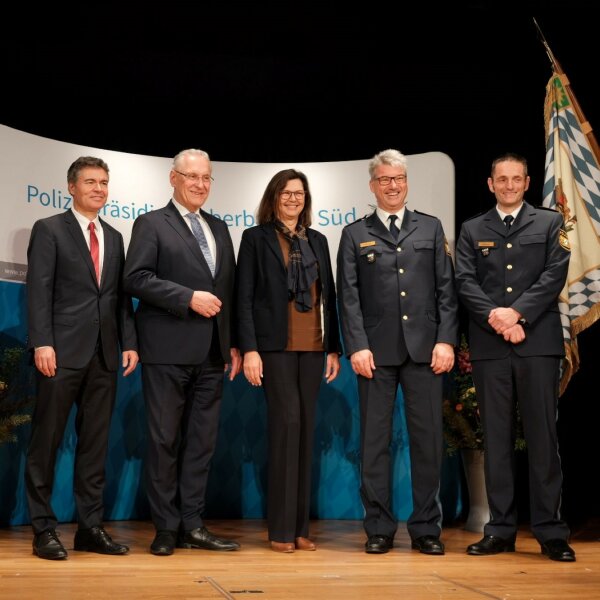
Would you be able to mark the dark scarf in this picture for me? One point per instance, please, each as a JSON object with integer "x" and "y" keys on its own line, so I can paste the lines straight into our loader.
{"x": 302, "y": 266}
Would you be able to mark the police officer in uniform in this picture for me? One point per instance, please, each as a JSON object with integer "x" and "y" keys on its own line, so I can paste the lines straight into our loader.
{"x": 511, "y": 264}
{"x": 398, "y": 311}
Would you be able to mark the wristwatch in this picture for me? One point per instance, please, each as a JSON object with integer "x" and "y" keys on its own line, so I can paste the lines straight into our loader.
{"x": 522, "y": 322}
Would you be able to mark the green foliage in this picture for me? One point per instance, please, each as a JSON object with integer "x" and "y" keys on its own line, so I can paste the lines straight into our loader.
{"x": 15, "y": 399}
{"x": 462, "y": 421}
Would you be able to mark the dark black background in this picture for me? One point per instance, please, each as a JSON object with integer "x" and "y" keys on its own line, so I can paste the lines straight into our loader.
{"x": 299, "y": 84}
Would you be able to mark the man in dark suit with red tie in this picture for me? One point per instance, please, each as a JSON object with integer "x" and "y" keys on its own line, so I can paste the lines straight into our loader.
{"x": 78, "y": 318}
{"x": 181, "y": 266}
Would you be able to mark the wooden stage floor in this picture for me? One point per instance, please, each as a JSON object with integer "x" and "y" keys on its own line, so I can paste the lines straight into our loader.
{"x": 339, "y": 569}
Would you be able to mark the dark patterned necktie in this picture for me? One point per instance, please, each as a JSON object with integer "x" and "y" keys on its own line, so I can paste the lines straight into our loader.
{"x": 201, "y": 239}
{"x": 393, "y": 228}
{"x": 508, "y": 219}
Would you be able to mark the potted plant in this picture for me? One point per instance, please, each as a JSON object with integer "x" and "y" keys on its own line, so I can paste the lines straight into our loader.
{"x": 462, "y": 421}
{"x": 15, "y": 398}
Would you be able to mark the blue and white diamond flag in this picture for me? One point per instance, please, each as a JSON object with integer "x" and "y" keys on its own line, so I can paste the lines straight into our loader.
{"x": 572, "y": 186}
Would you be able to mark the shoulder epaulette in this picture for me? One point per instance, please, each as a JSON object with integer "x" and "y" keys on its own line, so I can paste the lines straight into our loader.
{"x": 475, "y": 216}
{"x": 540, "y": 207}
{"x": 424, "y": 214}
{"x": 357, "y": 221}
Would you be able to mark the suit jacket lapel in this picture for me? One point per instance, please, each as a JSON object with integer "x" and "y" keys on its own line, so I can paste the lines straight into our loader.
{"x": 409, "y": 224}
{"x": 525, "y": 217}
{"x": 493, "y": 222}
{"x": 272, "y": 242}
{"x": 378, "y": 229}
{"x": 175, "y": 220}
{"x": 74, "y": 230}
{"x": 219, "y": 242}
{"x": 110, "y": 241}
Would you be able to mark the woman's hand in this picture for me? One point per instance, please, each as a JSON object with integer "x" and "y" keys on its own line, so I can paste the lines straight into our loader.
{"x": 253, "y": 367}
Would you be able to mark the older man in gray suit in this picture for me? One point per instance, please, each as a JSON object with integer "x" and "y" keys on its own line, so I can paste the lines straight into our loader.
{"x": 181, "y": 266}
{"x": 398, "y": 310}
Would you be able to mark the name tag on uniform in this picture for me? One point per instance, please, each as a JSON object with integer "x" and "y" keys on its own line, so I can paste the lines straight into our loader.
{"x": 367, "y": 244}
{"x": 486, "y": 244}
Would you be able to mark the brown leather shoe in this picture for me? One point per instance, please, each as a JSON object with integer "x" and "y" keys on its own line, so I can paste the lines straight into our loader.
{"x": 303, "y": 543}
{"x": 282, "y": 547}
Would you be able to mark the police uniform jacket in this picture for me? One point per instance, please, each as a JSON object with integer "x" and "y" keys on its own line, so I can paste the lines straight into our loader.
{"x": 524, "y": 268}
{"x": 394, "y": 294}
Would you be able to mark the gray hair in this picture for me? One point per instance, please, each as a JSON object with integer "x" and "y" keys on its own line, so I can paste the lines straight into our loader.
{"x": 189, "y": 151}
{"x": 393, "y": 158}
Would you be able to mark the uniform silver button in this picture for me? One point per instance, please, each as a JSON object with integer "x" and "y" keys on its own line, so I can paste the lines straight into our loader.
{"x": 509, "y": 289}
{"x": 509, "y": 267}
{"x": 400, "y": 270}
{"x": 509, "y": 245}
{"x": 403, "y": 293}
{"x": 405, "y": 317}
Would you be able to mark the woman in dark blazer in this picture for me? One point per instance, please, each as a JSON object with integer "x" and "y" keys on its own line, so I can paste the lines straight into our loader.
{"x": 287, "y": 319}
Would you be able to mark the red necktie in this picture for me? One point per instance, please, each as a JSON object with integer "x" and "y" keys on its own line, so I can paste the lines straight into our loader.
{"x": 95, "y": 250}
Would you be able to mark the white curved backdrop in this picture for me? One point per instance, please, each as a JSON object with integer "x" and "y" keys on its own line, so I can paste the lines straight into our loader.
{"x": 33, "y": 185}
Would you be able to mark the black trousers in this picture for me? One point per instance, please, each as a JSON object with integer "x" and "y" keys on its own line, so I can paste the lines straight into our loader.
{"x": 533, "y": 383}
{"x": 93, "y": 390}
{"x": 422, "y": 391}
{"x": 182, "y": 407}
{"x": 291, "y": 382}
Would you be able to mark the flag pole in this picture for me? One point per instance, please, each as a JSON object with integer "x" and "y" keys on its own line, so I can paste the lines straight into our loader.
{"x": 585, "y": 125}
{"x": 555, "y": 64}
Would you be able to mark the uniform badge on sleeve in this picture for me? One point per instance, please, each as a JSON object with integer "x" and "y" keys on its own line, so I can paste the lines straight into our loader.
{"x": 447, "y": 248}
{"x": 563, "y": 240}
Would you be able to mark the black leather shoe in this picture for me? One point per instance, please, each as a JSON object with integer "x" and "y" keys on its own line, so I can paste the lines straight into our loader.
{"x": 558, "y": 550}
{"x": 491, "y": 544}
{"x": 204, "y": 539}
{"x": 428, "y": 544}
{"x": 164, "y": 543}
{"x": 378, "y": 544}
{"x": 47, "y": 545}
{"x": 97, "y": 540}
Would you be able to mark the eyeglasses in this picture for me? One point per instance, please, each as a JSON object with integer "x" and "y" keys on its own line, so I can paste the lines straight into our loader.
{"x": 194, "y": 178}
{"x": 286, "y": 194}
{"x": 387, "y": 180}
